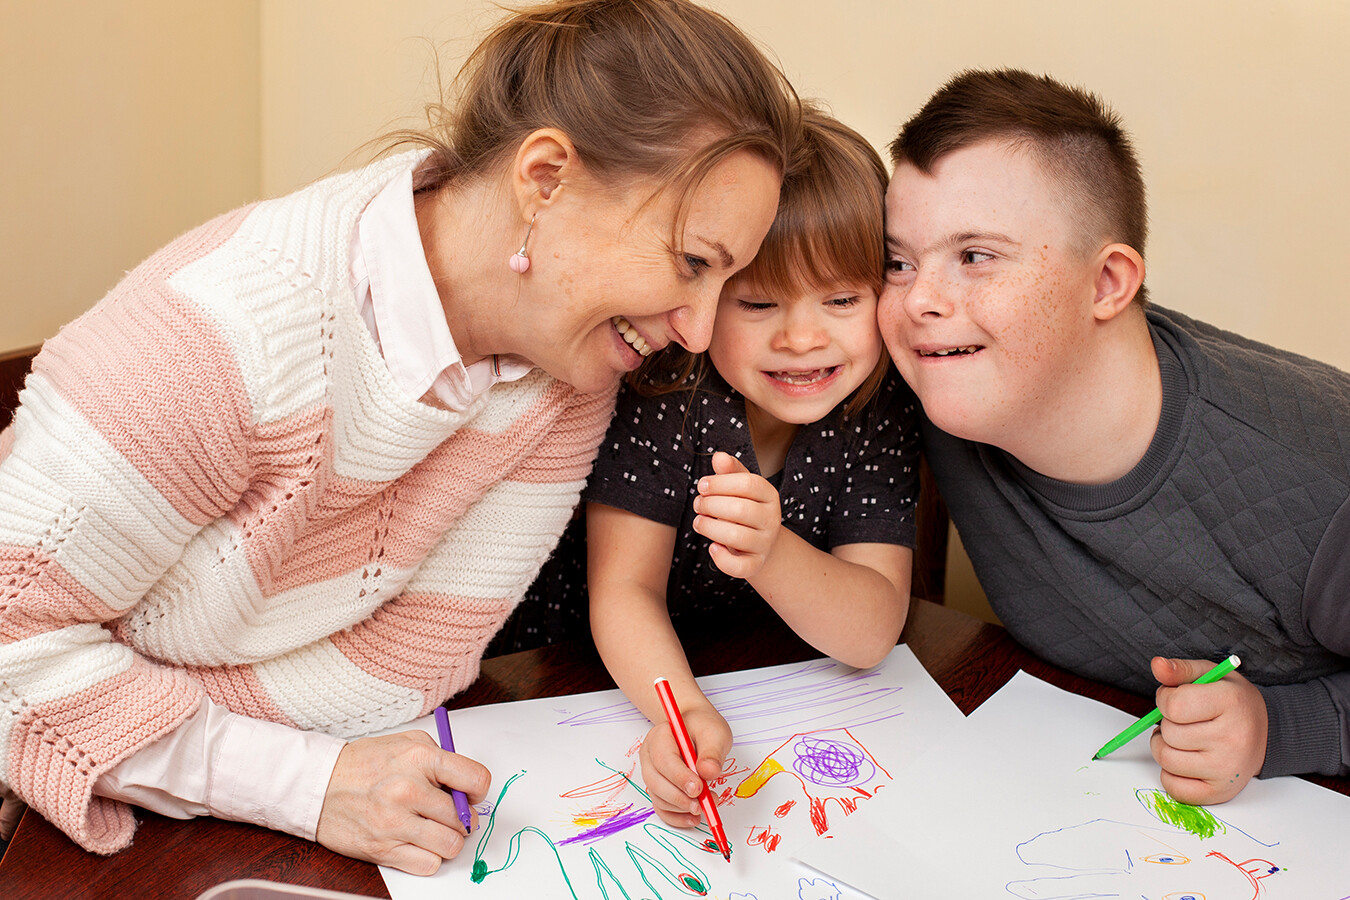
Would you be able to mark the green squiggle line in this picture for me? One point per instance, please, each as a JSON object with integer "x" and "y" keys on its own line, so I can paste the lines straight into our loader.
{"x": 601, "y": 870}
{"x": 693, "y": 882}
{"x": 480, "y": 869}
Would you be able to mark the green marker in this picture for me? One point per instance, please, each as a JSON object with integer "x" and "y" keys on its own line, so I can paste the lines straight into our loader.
{"x": 1155, "y": 717}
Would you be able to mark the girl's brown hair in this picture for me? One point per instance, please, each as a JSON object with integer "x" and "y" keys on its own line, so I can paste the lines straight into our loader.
{"x": 828, "y": 231}
{"x": 661, "y": 88}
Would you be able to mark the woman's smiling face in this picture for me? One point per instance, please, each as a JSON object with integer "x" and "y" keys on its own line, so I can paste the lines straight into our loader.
{"x": 612, "y": 281}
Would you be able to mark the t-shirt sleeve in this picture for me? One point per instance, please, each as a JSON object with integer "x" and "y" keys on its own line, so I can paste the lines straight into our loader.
{"x": 644, "y": 465}
{"x": 876, "y": 500}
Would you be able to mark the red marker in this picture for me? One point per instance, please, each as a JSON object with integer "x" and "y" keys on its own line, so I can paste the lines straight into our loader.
{"x": 690, "y": 758}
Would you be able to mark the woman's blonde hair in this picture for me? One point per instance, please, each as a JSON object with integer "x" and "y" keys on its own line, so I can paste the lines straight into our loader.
{"x": 660, "y": 88}
{"x": 828, "y": 231}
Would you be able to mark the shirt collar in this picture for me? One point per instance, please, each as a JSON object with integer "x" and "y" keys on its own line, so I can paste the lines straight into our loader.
{"x": 399, "y": 302}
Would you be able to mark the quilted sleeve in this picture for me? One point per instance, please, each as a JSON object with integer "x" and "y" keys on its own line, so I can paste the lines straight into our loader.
{"x": 1310, "y": 722}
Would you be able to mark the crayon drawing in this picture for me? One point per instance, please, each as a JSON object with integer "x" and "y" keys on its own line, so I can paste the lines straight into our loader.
{"x": 829, "y": 769}
{"x": 568, "y": 815}
{"x": 1012, "y": 804}
{"x": 1184, "y": 851}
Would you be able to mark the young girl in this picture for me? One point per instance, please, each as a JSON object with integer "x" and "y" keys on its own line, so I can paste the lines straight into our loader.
{"x": 779, "y": 465}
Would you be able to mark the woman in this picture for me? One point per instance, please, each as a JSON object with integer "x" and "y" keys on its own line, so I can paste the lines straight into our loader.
{"x": 282, "y": 485}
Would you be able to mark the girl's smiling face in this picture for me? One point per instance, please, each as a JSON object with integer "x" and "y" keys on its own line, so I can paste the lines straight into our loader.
{"x": 795, "y": 358}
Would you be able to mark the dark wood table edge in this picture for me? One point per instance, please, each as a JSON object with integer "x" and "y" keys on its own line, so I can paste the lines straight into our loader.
{"x": 970, "y": 659}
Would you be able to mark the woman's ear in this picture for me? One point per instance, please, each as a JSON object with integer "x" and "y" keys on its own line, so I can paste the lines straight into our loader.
{"x": 1120, "y": 273}
{"x": 544, "y": 162}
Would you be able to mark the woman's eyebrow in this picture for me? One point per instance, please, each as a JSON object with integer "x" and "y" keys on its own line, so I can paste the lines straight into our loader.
{"x": 720, "y": 249}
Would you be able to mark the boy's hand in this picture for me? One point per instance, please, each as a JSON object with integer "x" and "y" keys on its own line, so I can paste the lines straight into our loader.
{"x": 739, "y": 512}
{"x": 1212, "y": 739}
{"x": 673, "y": 787}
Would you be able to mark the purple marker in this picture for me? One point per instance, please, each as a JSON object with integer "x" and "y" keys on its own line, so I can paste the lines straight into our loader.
{"x": 448, "y": 744}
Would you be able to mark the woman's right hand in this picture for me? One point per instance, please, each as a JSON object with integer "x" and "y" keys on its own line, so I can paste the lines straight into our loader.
{"x": 388, "y": 802}
{"x": 675, "y": 789}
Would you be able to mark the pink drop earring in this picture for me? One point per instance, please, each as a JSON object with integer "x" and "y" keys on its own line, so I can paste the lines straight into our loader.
{"x": 520, "y": 260}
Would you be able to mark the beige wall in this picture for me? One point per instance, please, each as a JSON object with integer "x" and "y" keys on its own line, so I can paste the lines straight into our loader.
{"x": 126, "y": 122}
{"x": 1235, "y": 107}
{"x": 121, "y": 125}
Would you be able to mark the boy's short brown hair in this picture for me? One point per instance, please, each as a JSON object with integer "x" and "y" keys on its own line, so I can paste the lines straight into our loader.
{"x": 1075, "y": 136}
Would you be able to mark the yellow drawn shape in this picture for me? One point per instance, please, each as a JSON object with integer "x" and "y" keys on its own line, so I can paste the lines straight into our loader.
{"x": 757, "y": 779}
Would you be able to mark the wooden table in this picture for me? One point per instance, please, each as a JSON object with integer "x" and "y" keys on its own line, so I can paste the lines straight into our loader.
{"x": 970, "y": 659}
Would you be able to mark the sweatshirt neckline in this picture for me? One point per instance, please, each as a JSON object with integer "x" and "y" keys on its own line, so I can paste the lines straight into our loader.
{"x": 1140, "y": 482}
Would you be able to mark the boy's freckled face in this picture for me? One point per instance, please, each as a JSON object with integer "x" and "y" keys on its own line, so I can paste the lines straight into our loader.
{"x": 987, "y": 310}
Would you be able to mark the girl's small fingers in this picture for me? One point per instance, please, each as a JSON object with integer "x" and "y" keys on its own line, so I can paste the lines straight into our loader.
{"x": 677, "y": 819}
{"x": 729, "y": 509}
{"x": 720, "y": 531}
{"x": 667, "y": 786}
{"x": 729, "y": 562}
{"x": 671, "y": 799}
{"x": 746, "y": 487}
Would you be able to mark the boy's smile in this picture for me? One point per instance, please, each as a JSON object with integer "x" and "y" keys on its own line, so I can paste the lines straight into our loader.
{"x": 986, "y": 310}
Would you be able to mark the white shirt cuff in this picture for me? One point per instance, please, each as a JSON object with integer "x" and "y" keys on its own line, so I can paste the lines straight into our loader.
{"x": 231, "y": 767}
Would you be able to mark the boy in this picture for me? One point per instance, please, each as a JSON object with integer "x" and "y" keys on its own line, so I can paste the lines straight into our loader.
{"x": 1130, "y": 483}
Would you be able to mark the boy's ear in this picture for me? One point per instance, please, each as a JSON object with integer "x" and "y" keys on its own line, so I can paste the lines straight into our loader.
{"x": 544, "y": 162}
{"x": 1120, "y": 272}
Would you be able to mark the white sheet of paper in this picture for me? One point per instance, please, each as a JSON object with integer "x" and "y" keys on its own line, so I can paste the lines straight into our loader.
{"x": 565, "y": 816}
{"x": 1012, "y": 805}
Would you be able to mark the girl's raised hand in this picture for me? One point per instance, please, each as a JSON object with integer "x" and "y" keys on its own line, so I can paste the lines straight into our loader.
{"x": 739, "y": 512}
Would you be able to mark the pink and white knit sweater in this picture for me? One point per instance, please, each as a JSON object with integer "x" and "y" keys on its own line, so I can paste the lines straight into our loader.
{"x": 213, "y": 486}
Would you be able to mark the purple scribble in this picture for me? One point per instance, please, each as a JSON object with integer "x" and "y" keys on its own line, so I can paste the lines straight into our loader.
{"x": 845, "y": 698}
{"x": 829, "y": 762}
{"x": 612, "y": 825}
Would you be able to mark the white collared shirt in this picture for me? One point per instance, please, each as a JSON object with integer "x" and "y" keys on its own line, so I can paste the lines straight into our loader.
{"x": 399, "y": 302}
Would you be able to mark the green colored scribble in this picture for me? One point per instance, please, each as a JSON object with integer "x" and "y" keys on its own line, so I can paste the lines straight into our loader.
{"x": 480, "y": 869}
{"x": 601, "y": 870}
{"x": 1195, "y": 819}
{"x": 691, "y": 880}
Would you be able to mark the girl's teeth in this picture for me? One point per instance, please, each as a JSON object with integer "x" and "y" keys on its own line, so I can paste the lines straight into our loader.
{"x": 801, "y": 377}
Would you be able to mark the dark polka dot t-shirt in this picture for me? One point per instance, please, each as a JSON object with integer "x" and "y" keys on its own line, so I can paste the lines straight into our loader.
{"x": 844, "y": 481}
